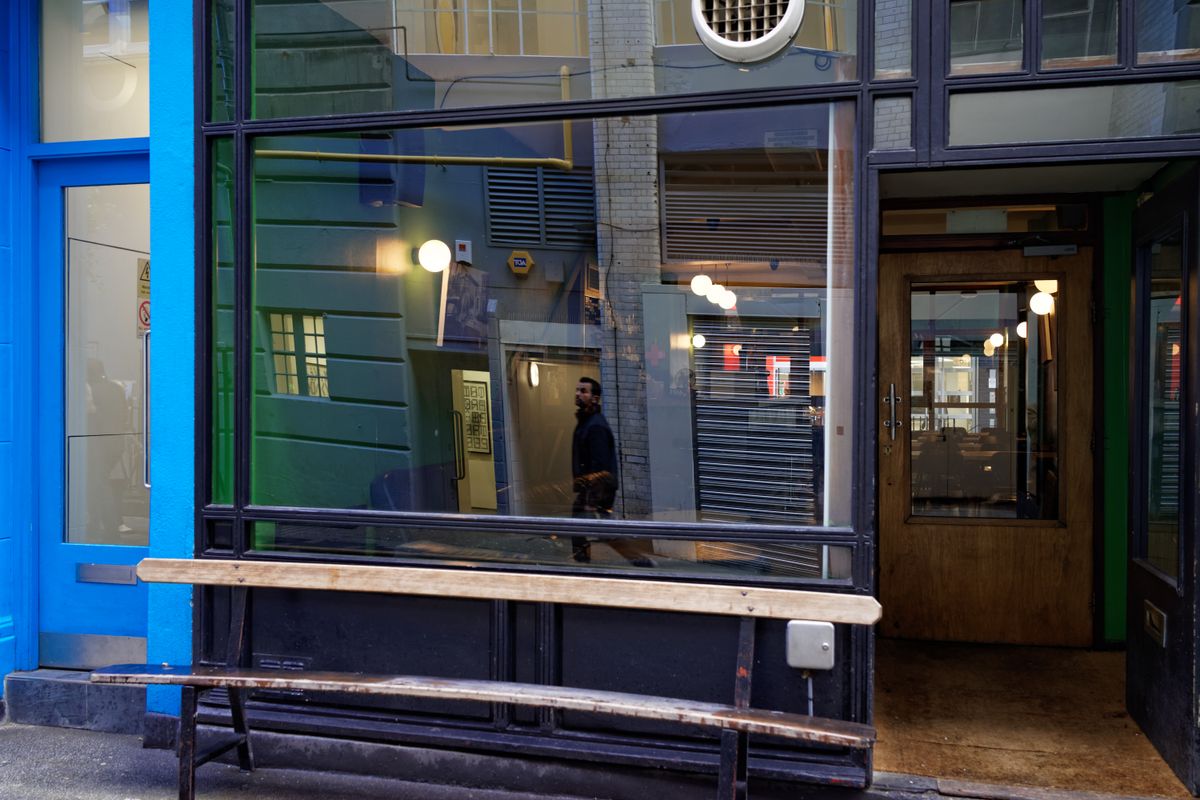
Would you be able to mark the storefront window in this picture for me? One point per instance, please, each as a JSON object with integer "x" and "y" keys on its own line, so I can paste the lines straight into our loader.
{"x": 1126, "y": 111}
{"x": 1079, "y": 33}
{"x": 221, "y": 33}
{"x": 1168, "y": 31}
{"x": 986, "y": 36}
{"x": 223, "y": 292}
{"x": 348, "y": 58}
{"x": 95, "y": 69}
{"x": 893, "y": 39}
{"x": 516, "y": 321}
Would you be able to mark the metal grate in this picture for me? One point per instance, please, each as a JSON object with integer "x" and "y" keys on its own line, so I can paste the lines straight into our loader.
{"x": 540, "y": 207}
{"x": 756, "y": 456}
{"x": 743, "y": 20}
{"x": 745, "y": 224}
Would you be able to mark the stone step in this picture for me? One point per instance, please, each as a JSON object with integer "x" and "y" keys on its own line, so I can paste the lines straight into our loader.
{"x": 66, "y": 699}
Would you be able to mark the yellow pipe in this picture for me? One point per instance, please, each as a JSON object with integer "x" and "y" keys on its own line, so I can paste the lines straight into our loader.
{"x": 387, "y": 158}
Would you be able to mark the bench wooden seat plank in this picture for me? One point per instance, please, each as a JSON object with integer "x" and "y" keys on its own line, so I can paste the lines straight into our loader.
{"x": 711, "y": 715}
{"x": 485, "y": 585}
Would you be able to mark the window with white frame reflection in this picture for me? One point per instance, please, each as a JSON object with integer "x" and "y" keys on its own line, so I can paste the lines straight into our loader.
{"x": 95, "y": 69}
{"x": 984, "y": 399}
{"x": 507, "y": 328}
{"x": 340, "y": 58}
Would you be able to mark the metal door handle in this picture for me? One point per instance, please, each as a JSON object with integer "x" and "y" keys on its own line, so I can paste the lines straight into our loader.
{"x": 146, "y": 409}
{"x": 891, "y": 401}
{"x": 460, "y": 457}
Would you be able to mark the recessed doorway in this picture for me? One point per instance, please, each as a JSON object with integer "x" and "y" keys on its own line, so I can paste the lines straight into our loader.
{"x": 1000, "y": 658}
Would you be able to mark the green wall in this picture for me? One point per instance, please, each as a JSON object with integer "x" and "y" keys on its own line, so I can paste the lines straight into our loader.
{"x": 1118, "y": 256}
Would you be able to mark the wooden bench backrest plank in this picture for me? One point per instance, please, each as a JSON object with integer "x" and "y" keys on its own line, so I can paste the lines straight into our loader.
{"x": 485, "y": 585}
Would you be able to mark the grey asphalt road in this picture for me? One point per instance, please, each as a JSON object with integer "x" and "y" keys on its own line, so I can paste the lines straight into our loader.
{"x": 38, "y": 763}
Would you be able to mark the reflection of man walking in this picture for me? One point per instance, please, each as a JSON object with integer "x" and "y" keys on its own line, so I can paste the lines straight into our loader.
{"x": 594, "y": 472}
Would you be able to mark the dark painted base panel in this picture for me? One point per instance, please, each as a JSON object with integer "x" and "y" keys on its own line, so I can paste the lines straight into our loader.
{"x": 65, "y": 699}
{"x": 511, "y": 772}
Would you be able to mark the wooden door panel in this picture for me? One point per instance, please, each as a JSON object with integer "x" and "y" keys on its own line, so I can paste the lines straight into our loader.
{"x": 980, "y": 579}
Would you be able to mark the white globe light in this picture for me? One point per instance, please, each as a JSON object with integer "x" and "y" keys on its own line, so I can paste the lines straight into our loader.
{"x": 1023, "y": 330}
{"x": 1041, "y": 304}
{"x": 434, "y": 255}
{"x": 996, "y": 339}
{"x": 699, "y": 341}
{"x": 1048, "y": 286}
{"x": 728, "y": 300}
{"x": 989, "y": 349}
{"x": 715, "y": 293}
{"x": 701, "y": 284}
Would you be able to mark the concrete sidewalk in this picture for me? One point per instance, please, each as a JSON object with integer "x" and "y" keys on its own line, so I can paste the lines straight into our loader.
{"x": 41, "y": 763}
{"x": 47, "y": 763}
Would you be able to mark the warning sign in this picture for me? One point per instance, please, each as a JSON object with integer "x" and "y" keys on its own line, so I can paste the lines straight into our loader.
{"x": 143, "y": 296}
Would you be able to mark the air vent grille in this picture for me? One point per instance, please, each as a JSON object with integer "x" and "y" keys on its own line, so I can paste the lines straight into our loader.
{"x": 744, "y": 20}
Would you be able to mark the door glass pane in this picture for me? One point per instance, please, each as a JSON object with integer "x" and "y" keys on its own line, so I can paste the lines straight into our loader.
{"x": 108, "y": 298}
{"x": 986, "y": 36}
{"x": 95, "y": 69}
{"x": 1164, "y": 329}
{"x": 1079, "y": 33}
{"x": 1168, "y": 31}
{"x": 984, "y": 400}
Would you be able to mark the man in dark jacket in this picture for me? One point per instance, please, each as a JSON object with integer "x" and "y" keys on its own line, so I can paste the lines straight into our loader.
{"x": 594, "y": 471}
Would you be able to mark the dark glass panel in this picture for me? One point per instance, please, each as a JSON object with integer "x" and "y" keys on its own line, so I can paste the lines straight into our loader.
{"x": 694, "y": 558}
{"x": 223, "y": 291}
{"x": 1165, "y": 357}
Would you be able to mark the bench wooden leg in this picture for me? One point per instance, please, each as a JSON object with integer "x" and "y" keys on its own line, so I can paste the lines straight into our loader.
{"x": 187, "y": 745}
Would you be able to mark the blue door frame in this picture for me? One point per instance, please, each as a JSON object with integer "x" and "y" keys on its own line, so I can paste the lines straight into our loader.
{"x": 98, "y": 614}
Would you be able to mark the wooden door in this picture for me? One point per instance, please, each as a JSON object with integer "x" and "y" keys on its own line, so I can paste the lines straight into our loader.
{"x": 986, "y": 476}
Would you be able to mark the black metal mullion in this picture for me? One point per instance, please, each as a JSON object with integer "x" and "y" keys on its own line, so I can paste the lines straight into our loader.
{"x": 243, "y": 53}
{"x": 1032, "y": 35}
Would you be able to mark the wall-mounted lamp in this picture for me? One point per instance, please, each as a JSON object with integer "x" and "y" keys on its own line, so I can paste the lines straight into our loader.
{"x": 1023, "y": 329}
{"x": 1041, "y": 304}
{"x": 699, "y": 341}
{"x": 434, "y": 255}
{"x": 535, "y": 374}
{"x": 1047, "y": 285}
{"x": 996, "y": 339}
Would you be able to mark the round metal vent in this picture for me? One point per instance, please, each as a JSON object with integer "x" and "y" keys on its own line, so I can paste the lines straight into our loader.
{"x": 747, "y": 30}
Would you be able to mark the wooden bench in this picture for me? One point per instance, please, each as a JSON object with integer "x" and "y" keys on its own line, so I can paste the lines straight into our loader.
{"x": 735, "y": 722}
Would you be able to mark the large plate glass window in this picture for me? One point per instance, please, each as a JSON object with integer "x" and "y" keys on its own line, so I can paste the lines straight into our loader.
{"x": 494, "y": 321}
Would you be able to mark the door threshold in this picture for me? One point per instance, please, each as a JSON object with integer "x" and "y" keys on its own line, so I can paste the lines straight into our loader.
{"x": 951, "y": 787}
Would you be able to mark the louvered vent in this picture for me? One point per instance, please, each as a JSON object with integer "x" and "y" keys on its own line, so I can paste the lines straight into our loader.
{"x": 756, "y": 454}
{"x": 743, "y": 20}
{"x": 744, "y": 224}
{"x": 747, "y": 30}
{"x": 539, "y": 207}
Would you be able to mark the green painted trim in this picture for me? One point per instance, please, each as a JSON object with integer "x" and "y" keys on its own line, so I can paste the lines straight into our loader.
{"x": 1118, "y": 258}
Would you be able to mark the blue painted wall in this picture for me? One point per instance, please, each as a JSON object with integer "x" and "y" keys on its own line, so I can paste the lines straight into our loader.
{"x": 8, "y": 512}
{"x": 173, "y": 325}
